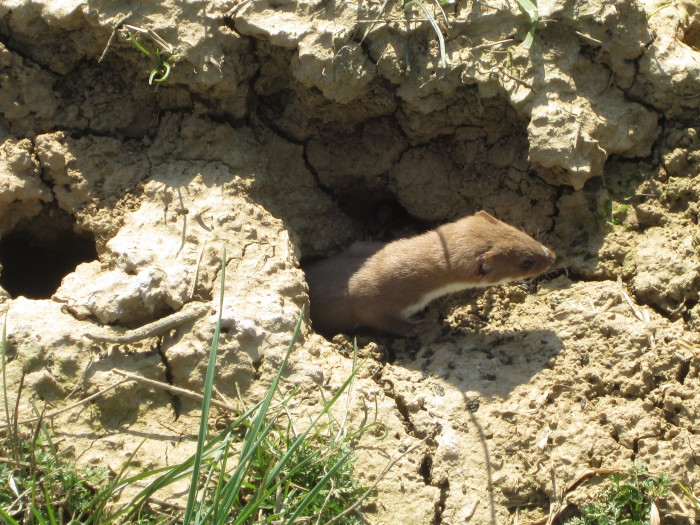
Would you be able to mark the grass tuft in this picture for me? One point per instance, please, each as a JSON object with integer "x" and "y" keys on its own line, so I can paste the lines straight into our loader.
{"x": 36, "y": 484}
{"x": 629, "y": 500}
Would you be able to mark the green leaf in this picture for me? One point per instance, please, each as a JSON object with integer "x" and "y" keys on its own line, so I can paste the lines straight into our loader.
{"x": 531, "y": 10}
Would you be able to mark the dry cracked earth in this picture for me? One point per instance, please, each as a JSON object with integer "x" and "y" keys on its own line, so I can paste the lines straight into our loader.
{"x": 287, "y": 130}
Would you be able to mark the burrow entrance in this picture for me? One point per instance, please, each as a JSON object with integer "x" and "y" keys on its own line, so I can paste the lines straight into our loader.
{"x": 39, "y": 252}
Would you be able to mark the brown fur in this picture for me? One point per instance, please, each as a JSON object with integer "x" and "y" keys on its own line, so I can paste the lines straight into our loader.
{"x": 378, "y": 285}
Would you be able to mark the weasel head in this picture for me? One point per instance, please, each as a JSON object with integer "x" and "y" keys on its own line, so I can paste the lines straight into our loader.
{"x": 510, "y": 254}
{"x": 500, "y": 265}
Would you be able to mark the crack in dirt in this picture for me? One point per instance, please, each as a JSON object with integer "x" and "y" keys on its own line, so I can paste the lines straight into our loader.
{"x": 229, "y": 22}
{"x": 314, "y": 173}
{"x": 444, "y": 486}
{"x": 426, "y": 469}
{"x": 174, "y": 399}
{"x": 405, "y": 414}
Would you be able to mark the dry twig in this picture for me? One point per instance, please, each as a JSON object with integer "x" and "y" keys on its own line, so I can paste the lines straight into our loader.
{"x": 174, "y": 389}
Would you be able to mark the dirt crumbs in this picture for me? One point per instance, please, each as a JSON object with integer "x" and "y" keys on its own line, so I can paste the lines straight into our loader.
{"x": 287, "y": 130}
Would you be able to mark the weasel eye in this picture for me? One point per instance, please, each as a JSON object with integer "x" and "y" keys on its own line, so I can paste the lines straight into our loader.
{"x": 527, "y": 264}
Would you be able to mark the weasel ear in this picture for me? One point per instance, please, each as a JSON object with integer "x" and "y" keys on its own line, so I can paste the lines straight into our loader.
{"x": 486, "y": 216}
{"x": 483, "y": 264}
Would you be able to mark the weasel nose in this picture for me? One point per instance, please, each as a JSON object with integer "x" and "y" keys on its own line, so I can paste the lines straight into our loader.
{"x": 549, "y": 254}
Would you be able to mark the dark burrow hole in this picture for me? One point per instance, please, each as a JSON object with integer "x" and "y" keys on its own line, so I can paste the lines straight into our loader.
{"x": 375, "y": 219}
{"x": 683, "y": 370}
{"x": 39, "y": 252}
{"x": 691, "y": 36}
{"x": 380, "y": 219}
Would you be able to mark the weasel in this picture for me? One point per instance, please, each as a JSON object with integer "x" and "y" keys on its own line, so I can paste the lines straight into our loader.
{"x": 380, "y": 285}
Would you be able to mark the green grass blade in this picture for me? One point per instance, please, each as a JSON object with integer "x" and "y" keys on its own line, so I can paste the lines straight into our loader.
{"x": 163, "y": 68}
{"x": 49, "y": 509}
{"x": 693, "y": 499}
{"x": 531, "y": 10}
{"x": 441, "y": 40}
{"x": 268, "y": 459}
{"x": 222, "y": 459}
{"x": 38, "y": 517}
{"x": 4, "y": 378}
{"x": 212, "y": 469}
{"x": 366, "y": 427}
{"x": 206, "y": 403}
{"x": 217, "y": 465}
{"x": 237, "y": 479}
{"x": 262, "y": 411}
{"x": 141, "y": 48}
{"x": 10, "y": 418}
{"x": 7, "y": 518}
{"x": 342, "y": 429}
{"x": 253, "y": 504}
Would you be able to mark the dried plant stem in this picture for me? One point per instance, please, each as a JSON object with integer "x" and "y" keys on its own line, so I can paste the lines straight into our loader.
{"x": 174, "y": 389}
